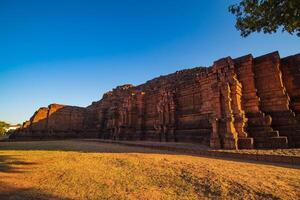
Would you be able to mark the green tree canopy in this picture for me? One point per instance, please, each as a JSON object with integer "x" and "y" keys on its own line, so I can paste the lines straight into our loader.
{"x": 267, "y": 16}
{"x": 3, "y": 126}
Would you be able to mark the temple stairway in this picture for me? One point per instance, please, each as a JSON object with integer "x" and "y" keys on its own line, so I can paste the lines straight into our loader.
{"x": 288, "y": 124}
{"x": 264, "y": 136}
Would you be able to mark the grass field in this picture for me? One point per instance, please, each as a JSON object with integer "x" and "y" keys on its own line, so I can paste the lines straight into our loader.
{"x": 91, "y": 170}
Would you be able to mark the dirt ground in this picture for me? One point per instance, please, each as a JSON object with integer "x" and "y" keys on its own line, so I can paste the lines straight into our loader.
{"x": 282, "y": 152}
{"x": 92, "y": 170}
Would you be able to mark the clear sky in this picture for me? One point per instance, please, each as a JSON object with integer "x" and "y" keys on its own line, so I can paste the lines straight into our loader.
{"x": 71, "y": 52}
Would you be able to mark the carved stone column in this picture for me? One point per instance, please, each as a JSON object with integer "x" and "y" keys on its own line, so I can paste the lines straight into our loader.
{"x": 230, "y": 138}
{"x": 239, "y": 115}
{"x": 215, "y": 140}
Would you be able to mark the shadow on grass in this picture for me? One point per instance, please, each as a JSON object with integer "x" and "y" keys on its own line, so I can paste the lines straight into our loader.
{"x": 77, "y": 146}
{"x": 9, "y": 192}
{"x": 103, "y": 147}
{"x": 12, "y": 164}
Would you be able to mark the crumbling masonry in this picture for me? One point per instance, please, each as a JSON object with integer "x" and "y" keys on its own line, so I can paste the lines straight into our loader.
{"x": 237, "y": 103}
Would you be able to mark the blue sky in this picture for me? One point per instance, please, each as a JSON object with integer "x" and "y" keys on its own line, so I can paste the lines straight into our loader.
{"x": 71, "y": 52}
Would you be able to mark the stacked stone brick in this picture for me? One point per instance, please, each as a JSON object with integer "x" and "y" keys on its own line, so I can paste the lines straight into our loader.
{"x": 56, "y": 120}
{"x": 237, "y": 103}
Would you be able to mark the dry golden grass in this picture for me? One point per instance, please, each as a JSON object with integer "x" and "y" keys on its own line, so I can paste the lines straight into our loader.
{"x": 90, "y": 170}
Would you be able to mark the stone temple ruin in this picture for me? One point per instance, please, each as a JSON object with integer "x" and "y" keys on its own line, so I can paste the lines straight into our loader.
{"x": 237, "y": 103}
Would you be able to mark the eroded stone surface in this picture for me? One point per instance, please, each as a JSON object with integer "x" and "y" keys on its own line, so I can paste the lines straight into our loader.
{"x": 237, "y": 103}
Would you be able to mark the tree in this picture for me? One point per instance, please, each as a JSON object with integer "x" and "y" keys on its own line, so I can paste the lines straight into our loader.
{"x": 267, "y": 16}
{"x": 3, "y": 126}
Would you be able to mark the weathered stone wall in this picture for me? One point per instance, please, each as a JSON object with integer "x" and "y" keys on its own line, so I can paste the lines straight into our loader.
{"x": 55, "y": 121}
{"x": 291, "y": 77}
{"x": 237, "y": 103}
